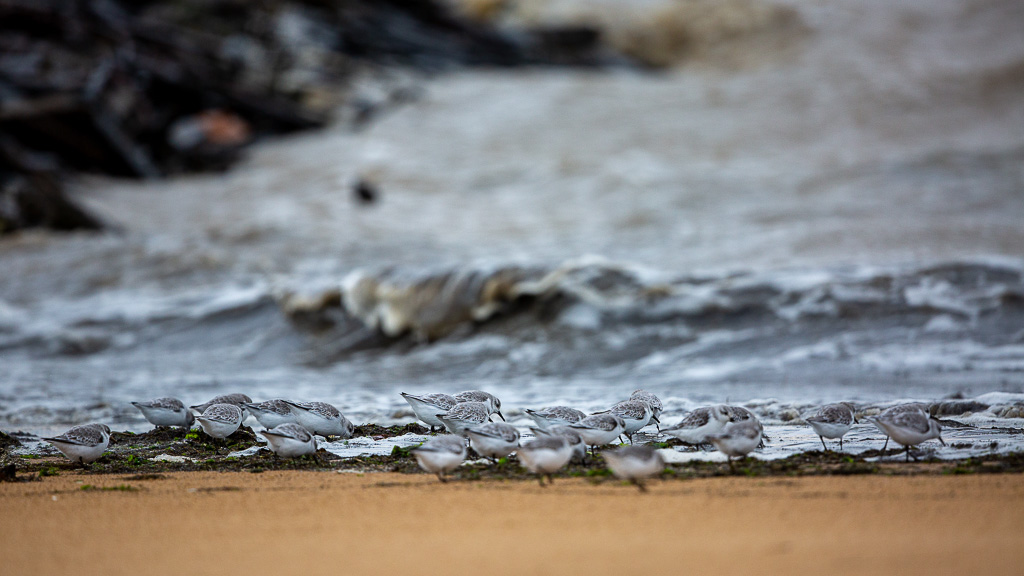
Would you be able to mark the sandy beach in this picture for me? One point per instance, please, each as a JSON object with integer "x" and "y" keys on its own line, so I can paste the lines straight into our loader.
{"x": 331, "y": 523}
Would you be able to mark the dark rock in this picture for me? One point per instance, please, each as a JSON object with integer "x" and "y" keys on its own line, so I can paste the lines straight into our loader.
{"x": 956, "y": 407}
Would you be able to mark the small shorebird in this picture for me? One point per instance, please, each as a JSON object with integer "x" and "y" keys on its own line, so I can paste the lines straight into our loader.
{"x": 290, "y": 440}
{"x": 321, "y": 418}
{"x": 635, "y": 415}
{"x": 464, "y": 415}
{"x": 740, "y": 414}
{"x": 441, "y": 454}
{"x": 579, "y": 449}
{"x": 908, "y": 427}
{"x": 893, "y": 410}
{"x": 486, "y": 398}
{"x": 220, "y": 420}
{"x": 599, "y": 429}
{"x": 428, "y": 406}
{"x": 738, "y": 439}
{"x": 166, "y": 412}
{"x": 493, "y": 440}
{"x": 544, "y": 456}
{"x": 635, "y": 463}
{"x": 832, "y": 421}
{"x": 554, "y": 416}
{"x": 272, "y": 413}
{"x": 239, "y": 400}
{"x": 696, "y": 426}
{"x": 656, "y": 406}
{"x": 83, "y": 444}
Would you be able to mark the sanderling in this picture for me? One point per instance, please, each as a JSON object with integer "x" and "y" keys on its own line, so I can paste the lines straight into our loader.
{"x": 832, "y": 421}
{"x": 696, "y": 426}
{"x": 740, "y": 414}
{"x": 599, "y": 429}
{"x": 634, "y": 413}
{"x": 321, "y": 418}
{"x": 656, "y": 406}
{"x": 272, "y": 413}
{"x": 908, "y": 427}
{"x": 83, "y": 444}
{"x": 290, "y": 440}
{"x": 555, "y": 416}
{"x": 738, "y": 438}
{"x": 166, "y": 412}
{"x": 545, "y": 456}
{"x": 489, "y": 400}
{"x": 441, "y": 454}
{"x": 635, "y": 463}
{"x": 579, "y": 449}
{"x": 220, "y": 420}
{"x": 239, "y": 400}
{"x": 893, "y": 410}
{"x": 428, "y": 406}
{"x": 494, "y": 439}
{"x": 462, "y": 416}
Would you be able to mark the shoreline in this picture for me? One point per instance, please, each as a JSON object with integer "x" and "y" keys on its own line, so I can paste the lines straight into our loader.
{"x": 388, "y": 522}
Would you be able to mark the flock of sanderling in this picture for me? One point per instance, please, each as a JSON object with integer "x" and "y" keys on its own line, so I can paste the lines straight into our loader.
{"x": 562, "y": 434}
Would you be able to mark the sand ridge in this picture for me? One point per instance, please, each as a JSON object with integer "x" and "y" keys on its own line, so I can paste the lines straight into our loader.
{"x": 331, "y": 523}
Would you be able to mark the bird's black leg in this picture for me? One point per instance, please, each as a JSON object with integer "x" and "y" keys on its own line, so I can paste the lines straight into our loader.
{"x": 884, "y": 446}
{"x": 822, "y": 438}
{"x": 550, "y": 479}
{"x": 840, "y": 443}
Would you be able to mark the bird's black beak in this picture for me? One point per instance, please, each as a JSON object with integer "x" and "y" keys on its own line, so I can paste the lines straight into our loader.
{"x": 942, "y": 441}
{"x": 655, "y": 418}
{"x": 500, "y": 416}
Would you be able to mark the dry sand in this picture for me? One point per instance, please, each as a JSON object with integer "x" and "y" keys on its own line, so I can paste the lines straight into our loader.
{"x": 330, "y": 523}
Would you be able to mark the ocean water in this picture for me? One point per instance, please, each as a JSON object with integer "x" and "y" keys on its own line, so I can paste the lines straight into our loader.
{"x": 840, "y": 220}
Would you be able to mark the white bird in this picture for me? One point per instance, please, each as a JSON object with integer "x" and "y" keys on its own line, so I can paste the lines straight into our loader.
{"x": 832, "y": 421}
{"x": 220, "y": 420}
{"x": 909, "y": 407}
{"x": 738, "y": 439}
{"x": 656, "y": 406}
{"x": 635, "y": 463}
{"x": 441, "y": 454}
{"x": 321, "y": 418}
{"x": 239, "y": 400}
{"x": 486, "y": 398}
{"x": 494, "y": 439}
{"x": 290, "y": 440}
{"x": 696, "y": 426}
{"x": 83, "y": 444}
{"x": 599, "y": 429}
{"x": 555, "y": 416}
{"x": 545, "y": 456}
{"x": 463, "y": 416}
{"x": 908, "y": 427}
{"x": 166, "y": 412}
{"x": 579, "y": 448}
{"x": 635, "y": 415}
{"x": 272, "y": 413}
{"x": 428, "y": 406}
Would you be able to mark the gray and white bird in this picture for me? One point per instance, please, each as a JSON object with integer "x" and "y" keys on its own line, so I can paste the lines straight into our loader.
{"x": 599, "y": 429}
{"x": 441, "y": 454}
{"x": 428, "y": 406}
{"x": 738, "y": 438}
{"x": 290, "y": 440}
{"x": 832, "y": 421}
{"x": 908, "y": 427}
{"x": 579, "y": 448}
{"x": 239, "y": 400}
{"x": 321, "y": 418}
{"x": 463, "y": 416}
{"x": 166, "y": 412}
{"x": 702, "y": 422}
{"x": 544, "y": 456}
{"x": 554, "y": 416}
{"x": 635, "y": 415}
{"x": 893, "y": 410}
{"x": 493, "y": 440}
{"x": 220, "y": 420}
{"x": 83, "y": 444}
{"x": 486, "y": 398}
{"x": 635, "y": 463}
{"x": 656, "y": 406}
{"x": 272, "y": 413}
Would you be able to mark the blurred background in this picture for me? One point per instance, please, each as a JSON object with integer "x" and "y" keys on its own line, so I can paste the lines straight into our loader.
{"x": 769, "y": 202}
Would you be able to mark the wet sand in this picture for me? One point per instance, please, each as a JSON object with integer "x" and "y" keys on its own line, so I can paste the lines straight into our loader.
{"x": 330, "y": 523}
